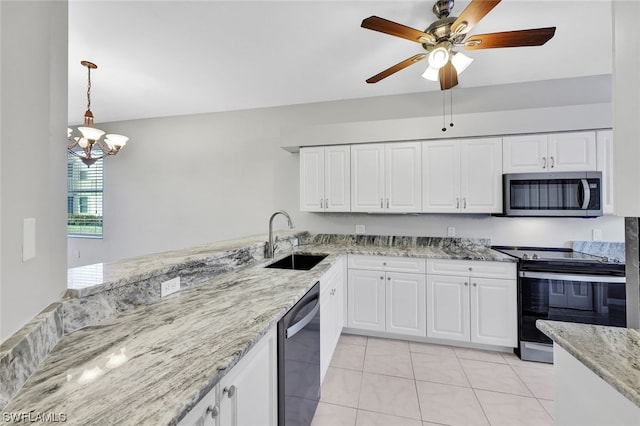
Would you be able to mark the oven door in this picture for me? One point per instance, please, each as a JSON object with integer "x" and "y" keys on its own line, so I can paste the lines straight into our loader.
{"x": 588, "y": 299}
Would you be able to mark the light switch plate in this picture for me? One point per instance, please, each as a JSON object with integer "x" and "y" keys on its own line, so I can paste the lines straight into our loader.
{"x": 28, "y": 238}
{"x": 360, "y": 229}
{"x": 596, "y": 234}
{"x": 451, "y": 231}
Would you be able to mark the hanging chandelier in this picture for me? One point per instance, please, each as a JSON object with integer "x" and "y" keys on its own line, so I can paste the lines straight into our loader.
{"x": 83, "y": 146}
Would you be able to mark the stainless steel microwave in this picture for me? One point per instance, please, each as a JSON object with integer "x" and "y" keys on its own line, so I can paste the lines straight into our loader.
{"x": 567, "y": 194}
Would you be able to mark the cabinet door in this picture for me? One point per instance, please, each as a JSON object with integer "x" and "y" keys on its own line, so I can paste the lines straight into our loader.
{"x": 604, "y": 147}
{"x": 481, "y": 175}
{"x": 441, "y": 177}
{"x": 311, "y": 179}
{"x": 403, "y": 185}
{"x": 337, "y": 178}
{"x": 494, "y": 312}
{"x": 331, "y": 311}
{"x": 367, "y": 178}
{"x": 448, "y": 307}
{"x": 365, "y": 300}
{"x": 569, "y": 152}
{"x": 524, "y": 154}
{"x": 406, "y": 304}
{"x": 249, "y": 392}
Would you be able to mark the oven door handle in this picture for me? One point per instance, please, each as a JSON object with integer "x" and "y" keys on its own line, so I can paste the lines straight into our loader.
{"x": 586, "y": 194}
{"x": 295, "y": 328}
{"x": 572, "y": 277}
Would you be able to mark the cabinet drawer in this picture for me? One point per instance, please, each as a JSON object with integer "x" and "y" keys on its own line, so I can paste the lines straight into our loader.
{"x": 472, "y": 268}
{"x": 386, "y": 263}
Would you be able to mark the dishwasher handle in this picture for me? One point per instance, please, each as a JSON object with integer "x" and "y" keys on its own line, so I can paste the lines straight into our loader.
{"x": 295, "y": 328}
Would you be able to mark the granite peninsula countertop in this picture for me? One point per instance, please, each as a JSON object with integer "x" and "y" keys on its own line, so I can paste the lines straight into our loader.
{"x": 119, "y": 370}
{"x": 612, "y": 353}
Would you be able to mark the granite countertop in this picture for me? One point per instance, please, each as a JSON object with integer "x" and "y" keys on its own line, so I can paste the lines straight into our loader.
{"x": 186, "y": 342}
{"x": 612, "y": 353}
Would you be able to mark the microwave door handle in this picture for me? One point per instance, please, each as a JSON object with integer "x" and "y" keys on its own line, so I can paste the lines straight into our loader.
{"x": 586, "y": 194}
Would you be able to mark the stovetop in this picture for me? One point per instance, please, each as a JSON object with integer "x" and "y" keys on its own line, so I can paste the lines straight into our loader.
{"x": 538, "y": 254}
{"x": 563, "y": 260}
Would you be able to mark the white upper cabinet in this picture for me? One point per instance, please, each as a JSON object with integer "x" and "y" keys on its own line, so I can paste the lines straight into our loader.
{"x": 604, "y": 146}
{"x": 403, "y": 177}
{"x": 325, "y": 179}
{"x": 462, "y": 176}
{"x": 367, "y": 178}
{"x": 481, "y": 175}
{"x": 561, "y": 152}
{"x": 441, "y": 177}
{"x": 386, "y": 177}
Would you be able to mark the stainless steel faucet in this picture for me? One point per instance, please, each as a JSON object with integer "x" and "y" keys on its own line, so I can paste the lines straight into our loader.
{"x": 270, "y": 245}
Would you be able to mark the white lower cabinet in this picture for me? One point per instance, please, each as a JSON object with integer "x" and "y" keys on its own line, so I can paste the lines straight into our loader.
{"x": 448, "y": 307}
{"x": 466, "y": 306}
{"x": 381, "y": 298}
{"x": 365, "y": 299}
{"x": 331, "y": 312}
{"x": 247, "y": 395}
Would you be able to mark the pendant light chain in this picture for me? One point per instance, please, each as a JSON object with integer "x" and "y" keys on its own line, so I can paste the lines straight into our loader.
{"x": 88, "y": 88}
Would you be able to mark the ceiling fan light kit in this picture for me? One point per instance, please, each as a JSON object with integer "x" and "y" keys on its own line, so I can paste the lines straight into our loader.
{"x": 441, "y": 36}
{"x": 90, "y": 136}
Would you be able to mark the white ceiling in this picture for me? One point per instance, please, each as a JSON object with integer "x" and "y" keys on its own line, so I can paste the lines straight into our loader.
{"x": 162, "y": 58}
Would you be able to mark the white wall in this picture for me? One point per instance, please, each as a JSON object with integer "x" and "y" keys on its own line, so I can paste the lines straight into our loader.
{"x": 33, "y": 116}
{"x": 190, "y": 180}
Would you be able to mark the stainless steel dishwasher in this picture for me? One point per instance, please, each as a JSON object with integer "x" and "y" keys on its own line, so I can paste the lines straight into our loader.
{"x": 299, "y": 361}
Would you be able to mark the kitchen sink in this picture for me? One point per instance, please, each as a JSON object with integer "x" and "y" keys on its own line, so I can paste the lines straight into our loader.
{"x": 300, "y": 261}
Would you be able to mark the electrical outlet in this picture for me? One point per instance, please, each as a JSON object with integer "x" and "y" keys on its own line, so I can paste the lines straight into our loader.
{"x": 596, "y": 234}
{"x": 451, "y": 231}
{"x": 360, "y": 229}
{"x": 170, "y": 286}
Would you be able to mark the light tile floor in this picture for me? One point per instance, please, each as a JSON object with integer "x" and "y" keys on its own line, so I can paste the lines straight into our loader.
{"x": 385, "y": 382}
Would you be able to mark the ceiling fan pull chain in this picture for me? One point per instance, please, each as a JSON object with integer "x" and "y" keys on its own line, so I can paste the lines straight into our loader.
{"x": 444, "y": 113}
{"x": 451, "y": 108}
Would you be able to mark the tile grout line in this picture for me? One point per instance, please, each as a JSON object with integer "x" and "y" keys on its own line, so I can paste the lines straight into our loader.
{"x": 475, "y": 395}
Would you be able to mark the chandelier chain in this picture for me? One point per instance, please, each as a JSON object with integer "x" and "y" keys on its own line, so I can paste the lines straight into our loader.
{"x": 89, "y": 88}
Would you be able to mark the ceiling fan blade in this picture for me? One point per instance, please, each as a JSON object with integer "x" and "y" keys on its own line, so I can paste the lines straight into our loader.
{"x": 448, "y": 76}
{"x": 397, "y": 67}
{"x": 382, "y": 25}
{"x": 472, "y": 14}
{"x": 532, "y": 37}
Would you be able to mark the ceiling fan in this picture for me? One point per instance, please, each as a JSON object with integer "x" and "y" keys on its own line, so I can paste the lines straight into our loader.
{"x": 442, "y": 36}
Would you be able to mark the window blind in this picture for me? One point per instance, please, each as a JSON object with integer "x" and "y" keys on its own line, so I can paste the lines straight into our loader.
{"x": 84, "y": 198}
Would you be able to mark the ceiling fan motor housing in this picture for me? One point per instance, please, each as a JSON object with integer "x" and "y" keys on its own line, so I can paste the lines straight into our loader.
{"x": 442, "y": 8}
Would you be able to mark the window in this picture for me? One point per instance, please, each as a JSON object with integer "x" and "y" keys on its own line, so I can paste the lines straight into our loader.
{"x": 84, "y": 198}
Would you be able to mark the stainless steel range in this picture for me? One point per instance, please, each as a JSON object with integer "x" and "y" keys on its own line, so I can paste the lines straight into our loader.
{"x": 563, "y": 285}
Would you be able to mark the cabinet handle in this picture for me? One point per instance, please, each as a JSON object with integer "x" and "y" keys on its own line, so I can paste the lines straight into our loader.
{"x": 381, "y": 203}
{"x": 457, "y": 203}
{"x": 387, "y": 203}
{"x": 553, "y": 162}
{"x": 544, "y": 162}
{"x": 230, "y": 391}
{"x": 470, "y": 268}
{"x": 384, "y": 263}
{"x": 464, "y": 203}
{"x": 466, "y": 284}
{"x": 474, "y": 284}
{"x": 382, "y": 278}
{"x": 321, "y": 203}
{"x": 389, "y": 278}
{"x": 326, "y": 203}
{"x": 213, "y": 411}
